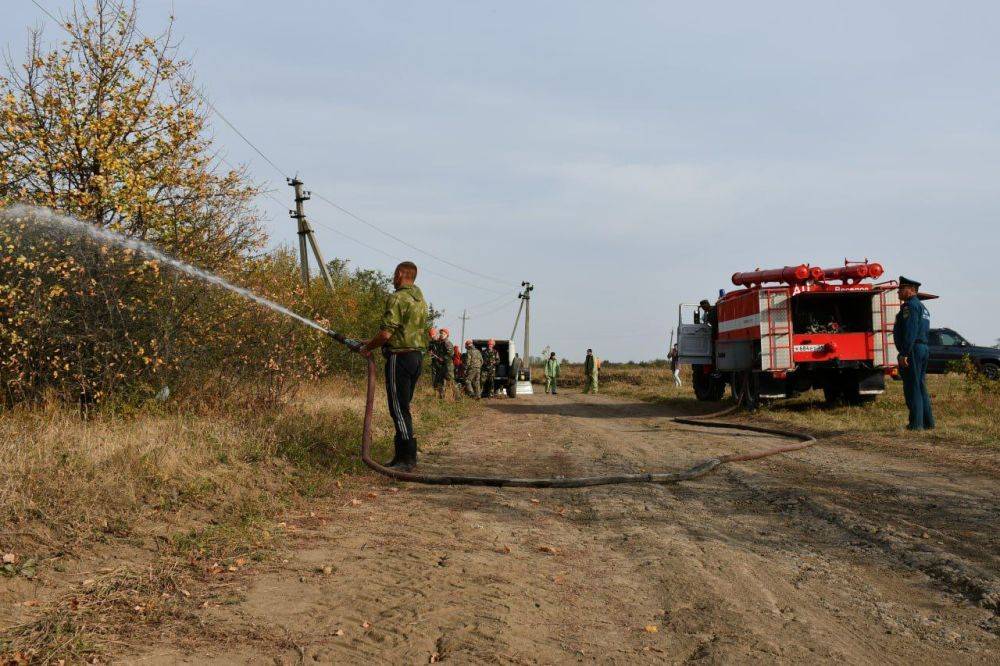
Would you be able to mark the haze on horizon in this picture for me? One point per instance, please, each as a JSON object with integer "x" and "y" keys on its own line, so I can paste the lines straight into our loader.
{"x": 623, "y": 157}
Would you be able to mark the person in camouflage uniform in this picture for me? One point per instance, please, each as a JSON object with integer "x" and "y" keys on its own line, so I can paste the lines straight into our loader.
{"x": 402, "y": 339}
{"x": 491, "y": 359}
{"x": 473, "y": 368}
{"x": 435, "y": 351}
{"x": 591, "y": 368}
{"x": 441, "y": 363}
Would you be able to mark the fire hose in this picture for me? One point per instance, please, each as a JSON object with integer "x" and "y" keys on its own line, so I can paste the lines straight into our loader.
{"x": 694, "y": 472}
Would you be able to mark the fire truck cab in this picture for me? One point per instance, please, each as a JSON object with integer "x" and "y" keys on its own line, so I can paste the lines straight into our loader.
{"x": 793, "y": 329}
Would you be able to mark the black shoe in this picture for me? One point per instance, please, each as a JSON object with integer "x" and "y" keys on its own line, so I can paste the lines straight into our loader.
{"x": 399, "y": 453}
{"x": 409, "y": 459}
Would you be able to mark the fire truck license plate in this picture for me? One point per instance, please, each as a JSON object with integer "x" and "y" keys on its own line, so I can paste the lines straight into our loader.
{"x": 809, "y": 348}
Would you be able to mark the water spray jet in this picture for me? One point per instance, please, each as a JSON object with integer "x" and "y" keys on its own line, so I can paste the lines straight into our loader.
{"x": 55, "y": 221}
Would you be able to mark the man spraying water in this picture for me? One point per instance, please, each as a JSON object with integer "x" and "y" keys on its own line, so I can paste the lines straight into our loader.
{"x": 403, "y": 340}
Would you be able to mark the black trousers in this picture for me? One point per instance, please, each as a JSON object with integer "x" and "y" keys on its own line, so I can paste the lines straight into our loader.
{"x": 401, "y": 374}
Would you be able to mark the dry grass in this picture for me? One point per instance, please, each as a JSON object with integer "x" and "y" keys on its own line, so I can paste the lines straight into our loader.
{"x": 185, "y": 493}
{"x": 967, "y": 408}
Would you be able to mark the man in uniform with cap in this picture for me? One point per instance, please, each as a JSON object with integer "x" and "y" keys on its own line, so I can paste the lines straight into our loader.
{"x": 442, "y": 367}
{"x": 402, "y": 339}
{"x": 706, "y": 314}
{"x": 473, "y": 369}
{"x": 491, "y": 359}
{"x": 910, "y": 334}
{"x": 591, "y": 366}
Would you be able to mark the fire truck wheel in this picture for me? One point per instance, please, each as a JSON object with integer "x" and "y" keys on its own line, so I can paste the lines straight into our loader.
{"x": 746, "y": 389}
{"x": 851, "y": 391}
{"x": 707, "y": 387}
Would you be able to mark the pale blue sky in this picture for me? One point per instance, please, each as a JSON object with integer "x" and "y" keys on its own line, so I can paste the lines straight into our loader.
{"x": 622, "y": 156}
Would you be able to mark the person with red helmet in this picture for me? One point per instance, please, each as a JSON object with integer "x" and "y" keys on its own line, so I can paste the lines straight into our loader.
{"x": 491, "y": 359}
{"x": 441, "y": 366}
{"x": 473, "y": 371}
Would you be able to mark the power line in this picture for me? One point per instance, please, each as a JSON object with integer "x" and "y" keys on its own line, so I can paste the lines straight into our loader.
{"x": 485, "y": 303}
{"x": 406, "y": 243}
{"x": 284, "y": 174}
{"x": 496, "y": 309}
{"x": 392, "y": 256}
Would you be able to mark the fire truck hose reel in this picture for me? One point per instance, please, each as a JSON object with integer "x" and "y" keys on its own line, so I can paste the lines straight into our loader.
{"x": 695, "y": 472}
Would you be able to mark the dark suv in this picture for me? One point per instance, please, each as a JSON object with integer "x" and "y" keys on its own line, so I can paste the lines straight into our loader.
{"x": 945, "y": 346}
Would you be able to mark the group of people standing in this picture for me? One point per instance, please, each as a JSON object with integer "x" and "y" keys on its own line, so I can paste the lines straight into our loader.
{"x": 474, "y": 371}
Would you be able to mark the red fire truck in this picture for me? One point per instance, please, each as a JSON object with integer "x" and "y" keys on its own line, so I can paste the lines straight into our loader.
{"x": 792, "y": 329}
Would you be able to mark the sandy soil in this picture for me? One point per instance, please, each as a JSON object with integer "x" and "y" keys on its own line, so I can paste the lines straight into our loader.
{"x": 833, "y": 554}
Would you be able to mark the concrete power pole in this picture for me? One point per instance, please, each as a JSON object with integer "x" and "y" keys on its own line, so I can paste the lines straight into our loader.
{"x": 526, "y": 296}
{"x": 464, "y": 318}
{"x": 306, "y": 235}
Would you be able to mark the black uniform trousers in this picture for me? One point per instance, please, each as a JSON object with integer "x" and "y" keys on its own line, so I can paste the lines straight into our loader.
{"x": 402, "y": 370}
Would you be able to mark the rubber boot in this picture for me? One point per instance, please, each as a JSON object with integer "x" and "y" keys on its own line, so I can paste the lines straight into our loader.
{"x": 399, "y": 452}
{"x": 409, "y": 460}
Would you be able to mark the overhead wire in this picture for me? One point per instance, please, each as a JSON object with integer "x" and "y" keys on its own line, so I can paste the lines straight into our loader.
{"x": 497, "y": 309}
{"x": 392, "y": 256}
{"x": 284, "y": 174}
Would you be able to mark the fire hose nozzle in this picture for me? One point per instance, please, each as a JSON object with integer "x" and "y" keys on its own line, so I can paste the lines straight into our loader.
{"x": 350, "y": 343}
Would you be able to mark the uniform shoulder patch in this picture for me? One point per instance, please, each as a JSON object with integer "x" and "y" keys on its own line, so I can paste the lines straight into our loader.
{"x": 905, "y": 312}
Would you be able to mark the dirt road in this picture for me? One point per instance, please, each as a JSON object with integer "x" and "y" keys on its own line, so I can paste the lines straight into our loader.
{"x": 833, "y": 554}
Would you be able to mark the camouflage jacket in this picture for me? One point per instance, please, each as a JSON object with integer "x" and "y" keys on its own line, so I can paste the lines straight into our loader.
{"x": 491, "y": 359}
{"x": 473, "y": 360}
{"x": 442, "y": 351}
{"x": 405, "y": 318}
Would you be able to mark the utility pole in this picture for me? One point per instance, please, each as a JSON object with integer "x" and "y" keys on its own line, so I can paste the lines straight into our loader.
{"x": 464, "y": 318}
{"x": 306, "y": 235}
{"x": 517, "y": 319}
{"x": 526, "y": 297}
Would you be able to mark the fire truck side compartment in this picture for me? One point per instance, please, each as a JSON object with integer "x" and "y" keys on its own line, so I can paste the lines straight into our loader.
{"x": 736, "y": 355}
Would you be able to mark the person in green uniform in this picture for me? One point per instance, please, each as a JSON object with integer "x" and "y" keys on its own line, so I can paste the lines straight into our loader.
{"x": 442, "y": 370}
{"x": 436, "y": 361}
{"x": 551, "y": 370}
{"x": 473, "y": 370}
{"x": 491, "y": 359}
{"x": 590, "y": 370}
{"x": 448, "y": 352}
{"x": 515, "y": 371}
{"x": 402, "y": 339}
{"x": 910, "y": 333}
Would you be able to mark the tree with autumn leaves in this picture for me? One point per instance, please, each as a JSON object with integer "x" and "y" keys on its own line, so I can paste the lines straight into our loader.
{"x": 107, "y": 126}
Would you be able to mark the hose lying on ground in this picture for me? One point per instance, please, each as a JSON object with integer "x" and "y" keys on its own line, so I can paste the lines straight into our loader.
{"x": 697, "y": 471}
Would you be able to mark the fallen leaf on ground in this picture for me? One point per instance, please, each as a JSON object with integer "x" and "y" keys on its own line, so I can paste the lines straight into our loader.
{"x": 435, "y": 658}
{"x": 366, "y": 625}
{"x": 551, "y": 550}
{"x": 185, "y": 593}
{"x": 339, "y": 632}
{"x": 535, "y": 501}
{"x": 9, "y": 558}
{"x": 504, "y": 550}
{"x": 328, "y": 570}
{"x": 355, "y": 502}
{"x": 651, "y": 629}
{"x": 30, "y": 603}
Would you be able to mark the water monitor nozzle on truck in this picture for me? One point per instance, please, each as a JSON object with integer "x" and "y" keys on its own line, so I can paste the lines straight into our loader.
{"x": 792, "y": 329}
